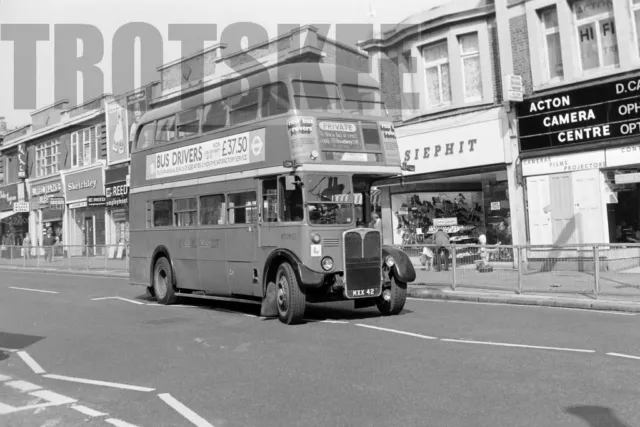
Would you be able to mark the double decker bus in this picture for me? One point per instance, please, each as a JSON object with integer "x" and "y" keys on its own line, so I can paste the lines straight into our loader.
{"x": 265, "y": 194}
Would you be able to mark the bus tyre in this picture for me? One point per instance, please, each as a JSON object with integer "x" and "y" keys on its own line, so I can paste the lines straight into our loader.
{"x": 397, "y": 300}
{"x": 290, "y": 299}
{"x": 163, "y": 283}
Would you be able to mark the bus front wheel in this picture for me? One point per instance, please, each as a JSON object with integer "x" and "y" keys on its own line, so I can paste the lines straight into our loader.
{"x": 290, "y": 299}
{"x": 162, "y": 283}
{"x": 395, "y": 298}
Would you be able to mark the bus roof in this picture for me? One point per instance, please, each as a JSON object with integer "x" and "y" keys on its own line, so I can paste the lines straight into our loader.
{"x": 285, "y": 72}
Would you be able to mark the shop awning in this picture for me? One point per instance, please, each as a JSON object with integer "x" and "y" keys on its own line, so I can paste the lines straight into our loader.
{"x": 6, "y": 214}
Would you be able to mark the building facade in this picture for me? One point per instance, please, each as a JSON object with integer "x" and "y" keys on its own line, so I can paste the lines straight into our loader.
{"x": 578, "y": 123}
{"x": 441, "y": 78}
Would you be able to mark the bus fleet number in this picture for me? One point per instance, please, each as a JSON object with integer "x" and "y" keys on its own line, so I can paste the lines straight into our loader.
{"x": 233, "y": 146}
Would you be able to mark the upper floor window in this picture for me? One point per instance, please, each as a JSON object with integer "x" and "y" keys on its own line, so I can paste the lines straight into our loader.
{"x": 636, "y": 14}
{"x": 47, "y": 157}
{"x": 84, "y": 147}
{"x": 551, "y": 43}
{"x": 436, "y": 59}
{"x": 471, "y": 71}
{"x": 596, "y": 33}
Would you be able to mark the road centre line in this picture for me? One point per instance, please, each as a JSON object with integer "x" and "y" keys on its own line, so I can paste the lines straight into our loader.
{"x": 121, "y": 299}
{"x": 626, "y": 356}
{"x": 88, "y": 411}
{"x": 32, "y": 290}
{"x": 504, "y": 304}
{"x": 411, "y": 334}
{"x": 98, "y": 383}
{"x": 35, "y": 367}
{"x": 195, "y": 419}
{"x": 537, "y": 347}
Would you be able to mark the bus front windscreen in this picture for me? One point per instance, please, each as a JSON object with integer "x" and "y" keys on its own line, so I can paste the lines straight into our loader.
{"x": 329, "y": 199}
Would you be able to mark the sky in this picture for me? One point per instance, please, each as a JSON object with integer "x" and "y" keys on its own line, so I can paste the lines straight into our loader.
{"x": 109, "y": 15}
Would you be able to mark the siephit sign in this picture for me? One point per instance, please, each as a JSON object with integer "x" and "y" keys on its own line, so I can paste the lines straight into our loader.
{"x": 586, "y": 115}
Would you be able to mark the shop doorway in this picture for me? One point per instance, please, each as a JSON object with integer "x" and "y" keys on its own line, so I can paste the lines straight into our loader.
{"x": 89, "y": 235}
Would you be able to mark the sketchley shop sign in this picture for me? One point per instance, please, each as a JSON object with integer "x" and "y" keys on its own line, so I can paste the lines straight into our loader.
{"x": 586, "y": 115}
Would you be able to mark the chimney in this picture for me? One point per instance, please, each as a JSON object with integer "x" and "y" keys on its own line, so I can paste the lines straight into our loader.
{"x": 3, "y": 126}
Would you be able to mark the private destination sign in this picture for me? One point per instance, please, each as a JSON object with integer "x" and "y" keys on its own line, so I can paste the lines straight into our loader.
{"x": 234, "y": 150}
{"x": 585, "y": 115}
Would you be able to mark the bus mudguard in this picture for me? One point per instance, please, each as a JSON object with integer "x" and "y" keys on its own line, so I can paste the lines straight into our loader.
{"x": 162, "y": 251}
{"x": 403, "y": 268}
{"x": 306, "y": 277}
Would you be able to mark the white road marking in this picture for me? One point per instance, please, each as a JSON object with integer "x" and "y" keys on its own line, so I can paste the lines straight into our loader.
{"x": 537, "y": 347}
{"x": 119, "y": 423}
{"x": 155, "y": 304}
{"x": 195, "y": 419}
{"x": 32, "y": 290}
{"x": 626, "y": 356}
{"x": 23, "y": 386}
{"x": 52, "y": 397}
{"x": 617, "y": 313}
{"x": 411, "y": 334}
{"x": 99, "y": 383}
{"x": 4, "y": 378}
{"x": 10, "y": 350}
{"x": 121, "y": 299}
{"x": 326, "y": 321}
{"x": 6, "y": 409}
{"x": 35, "y": 367}
{"x": 88, "y": 411}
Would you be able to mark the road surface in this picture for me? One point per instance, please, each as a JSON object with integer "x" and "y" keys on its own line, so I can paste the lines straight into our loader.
{"x": 91, "y": 351}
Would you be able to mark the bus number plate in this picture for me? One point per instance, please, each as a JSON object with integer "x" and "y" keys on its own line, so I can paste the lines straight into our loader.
{"x": 355, "y": 293}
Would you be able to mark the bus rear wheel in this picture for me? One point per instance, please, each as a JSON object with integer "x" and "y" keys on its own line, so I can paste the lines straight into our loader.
{"x": 290, "y": 299}
{"x": 163, "y": 283}
{"x": 397, "y": 296}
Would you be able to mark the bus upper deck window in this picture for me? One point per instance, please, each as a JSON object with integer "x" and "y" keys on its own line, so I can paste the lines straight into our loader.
{"x": 275, "y": 99}
{"x": 145, "y": 136}
{"x": 316, "y": 96}
{"x": 244, "y": 107}
{"x": 188, "y": 123}
{"x": 166, "y": 130}
{"x": 215, "y": 117}
{"x": 363, "y": 100}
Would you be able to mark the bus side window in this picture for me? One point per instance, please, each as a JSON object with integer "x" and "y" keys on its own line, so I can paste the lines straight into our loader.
{"x": 292, "y": 209}
{"x": 242, "y": 208}
{"x": 186, "y": 212}
{"x": 270, "y": 200}
{"x": 212, "y": 210}
{"x": 215, "y": 117}
{"x": 163, "y": 213}
{"x": 166, "y": 130}
{"x": 275, "y": 99}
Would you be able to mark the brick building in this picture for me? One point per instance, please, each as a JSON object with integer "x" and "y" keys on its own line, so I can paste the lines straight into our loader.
{"x": 440, "y": 73}
{"x": 578, "y": 124}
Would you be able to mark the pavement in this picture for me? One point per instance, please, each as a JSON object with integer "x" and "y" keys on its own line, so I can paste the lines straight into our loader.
{"x": 98, "y": 343}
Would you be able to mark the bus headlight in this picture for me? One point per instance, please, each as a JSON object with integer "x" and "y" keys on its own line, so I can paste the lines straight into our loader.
{"x": 327, "y": 263}
{"x": 315, "y": 238}
{"x": 314, "y": 155}
{"x": 390, "y": 261}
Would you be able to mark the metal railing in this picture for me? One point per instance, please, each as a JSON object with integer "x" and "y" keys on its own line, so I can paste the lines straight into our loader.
{"x": 591, "y": 270}
{"x": 113, "y": 258}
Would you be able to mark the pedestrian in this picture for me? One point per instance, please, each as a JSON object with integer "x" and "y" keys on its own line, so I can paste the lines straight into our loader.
{"x": 483, "y": 262}
{"x": 48, "y": 242}
{"x": 26, "y": 246}
{"x": 426, "y": 259}
{"x": 441, "y": 239}
{"x": 4, "y": 245}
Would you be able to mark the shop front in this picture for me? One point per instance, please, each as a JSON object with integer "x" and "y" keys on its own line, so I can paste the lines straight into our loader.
{"x": 117, "y": 204}
{"x": 460, "y": 184}
{"x": 47, "y": 209}
{"x": 14, "y": 220}
{"x": 86, "y": 211}
{"x": 581, "y": 164}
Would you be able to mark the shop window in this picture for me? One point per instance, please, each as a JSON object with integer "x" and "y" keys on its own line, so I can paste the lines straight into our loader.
{"x": 166, "y": 131}
{"x": 12, "y": 169}
{"x": 146, "y": 136}
{"x": 244, "y": 107}
{"x": 212, "y": 210}
{"x": 316, "y": 96}
{"x": 188, "y": 123}
{"x": 162, "y": 213}
{"x": 215, "y": 117}
{"x": 551, "y": 43}
{"x": 270, "y": 200}
{"x": 596, "y": 33}
{"x": 436, "y": 62}
{"x": 471, "y": 72}
{"x": 636, "y": 15}
{"x": 242, "y": 208}
{"x": 186, "y": 212}
{"x": 47, "y": 158}
{"x": 275, "y": 100}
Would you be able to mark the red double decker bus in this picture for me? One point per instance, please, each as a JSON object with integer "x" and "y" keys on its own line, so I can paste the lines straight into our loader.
{"x": 265, "y": 194}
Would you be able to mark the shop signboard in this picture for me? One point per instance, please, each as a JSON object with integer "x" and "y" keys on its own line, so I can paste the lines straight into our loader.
{"x": 563, "y": 163}
{"x": 22, "y": 161}
{"x": 81, "y": 185}
{"x": 117, "y": 194}
{"x": 456, "y": 147}
{"x": 580, "y": 116}
{"x": 96, "y": 201}
{"x": 8, "y": 196}
{"x": 56, "y": 203}
{"x": 40, "y": 193}
{"x": 21, "y": 207}
{"x": 339, "y": 135}
{"x": 445, "y": 222}
{"x": 627, "y": 178}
